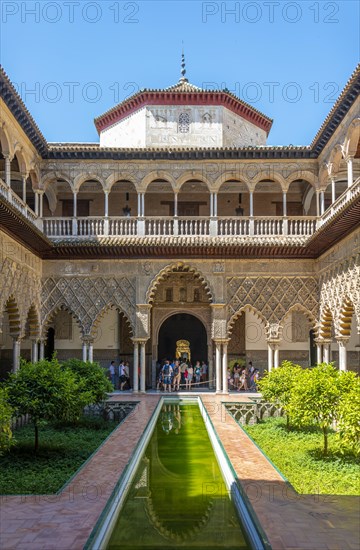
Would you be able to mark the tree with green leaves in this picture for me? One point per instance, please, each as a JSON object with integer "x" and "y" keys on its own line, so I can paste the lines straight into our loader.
{"x": 6, "y": 414}
{"x": 45, "y": 391}
{"x": 91, "y": 378}
{"x": 348, "y": 414}
{"x": 276, "y": 386}
{"x": 315, "y": 397}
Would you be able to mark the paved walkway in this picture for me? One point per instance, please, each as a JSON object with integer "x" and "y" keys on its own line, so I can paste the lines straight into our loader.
{"x": 291, "y": 521}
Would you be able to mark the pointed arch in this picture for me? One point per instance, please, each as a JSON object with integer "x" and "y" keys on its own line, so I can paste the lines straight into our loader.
{"x": 345, "y": 318}
{"x": 52, "y": 314}
{"x": 179, "y": 266}
{"x": 301, "y": 309}
{"x": 104, "y": 311}
{"x": 32, "y": 327}
{"x": 12, "y": 309}
{"x": 239, "y": 312}
{"x": 326, "y": 324}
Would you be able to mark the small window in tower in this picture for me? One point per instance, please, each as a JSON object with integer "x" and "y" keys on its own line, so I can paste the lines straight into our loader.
{"x": 184, "y": 123}
{"x": 169, "y": 295}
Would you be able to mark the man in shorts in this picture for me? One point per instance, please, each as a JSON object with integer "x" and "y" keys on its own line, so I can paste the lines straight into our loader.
{"x": 167, "y": 374}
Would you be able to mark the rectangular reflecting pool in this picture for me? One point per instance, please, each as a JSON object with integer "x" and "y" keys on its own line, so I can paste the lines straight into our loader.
{"x": 177, "y": 497}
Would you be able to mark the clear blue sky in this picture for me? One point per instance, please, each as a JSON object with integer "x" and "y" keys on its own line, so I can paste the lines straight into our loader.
{"x": 73, "y": 60}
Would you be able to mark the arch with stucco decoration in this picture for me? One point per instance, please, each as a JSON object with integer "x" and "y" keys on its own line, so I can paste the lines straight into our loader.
{"x": 305, "y": 175}
{"x": 32, "y": 324}
{"x": 352, "y": 138}
{"x": 160, "y": 277}
{"x": 12, "y": 309}
{"x": 102, "y": 313}
{"x": 52, "y": 177}
{"x": 156, "y": 175}
{"x": 346, "y": 313}
{"x": 326, "y": 324}
{"x": 49, "y": 318}
{"x": 22, "y": 162}
{"x": 230, "y": 176}
{"x": 299, "y": 308}
{"x": 5, "y": 141}
{"x": 192, "y": 176}
{"x": 83, "y": 178}
{"x": 119, "y": 177}
{"x": 274, "y": 177}
{"x": 335, "y": 158}
{"x": 239, "y": 312}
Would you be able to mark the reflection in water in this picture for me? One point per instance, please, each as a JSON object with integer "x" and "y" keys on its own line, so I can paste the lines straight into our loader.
{"x": 178, "y": 497}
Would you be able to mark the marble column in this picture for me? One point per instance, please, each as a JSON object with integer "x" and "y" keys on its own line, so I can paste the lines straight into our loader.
{"x": 270, "y": 357}
{"x": 16, "y": 354}
{"x": 42, "y": 349}
{"x": 84, "y": 350}
{"x": 34, "y": 351}
{"x": 91, "y": 352}
{"x": 7, "y": 171}
{"x": 142, "y": 367}
{"x": 224, "y": 368}
{"x": 276, "y": 356}
{"x": 218, "y": 367}
{"x": 136, "y": 367}
{"x": 23, "y": 177}
{"x": 349, "y": 162}
{"x": 342, "y": 355}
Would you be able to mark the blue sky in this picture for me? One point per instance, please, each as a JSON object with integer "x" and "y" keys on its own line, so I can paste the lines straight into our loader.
{"x": 75, "y": 59}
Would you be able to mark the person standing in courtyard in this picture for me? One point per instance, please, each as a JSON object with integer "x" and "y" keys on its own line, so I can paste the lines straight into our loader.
{"x": 167, "y": 374}
{"x": 112, "y": 372}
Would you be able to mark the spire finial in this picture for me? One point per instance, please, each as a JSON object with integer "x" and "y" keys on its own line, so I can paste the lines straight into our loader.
{"x": 183, "y": 70}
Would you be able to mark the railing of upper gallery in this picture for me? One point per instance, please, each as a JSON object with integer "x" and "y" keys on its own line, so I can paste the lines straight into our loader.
{"x": 201, "y": 226}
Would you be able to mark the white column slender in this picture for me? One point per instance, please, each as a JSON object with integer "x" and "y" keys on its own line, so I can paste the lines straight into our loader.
{"x": 136, "y": 368}
{"x": 106, "y": 205}
{"x": 342, "y": 355}
{"x": 270, "y": 357}
{"x": 326, "y": 352}
{"x": 36, "y": 203}
{"x": 333, "y": 190}
{"x": 175, "y": 204}
{"x": 318, "y": 353}
{"x": 211, "y": 205}
{"x": 139, "y": 204}
{"x": 224, "y": 368}
{"x": 34, "y": 351}
{"x": 84, "y": 351}
{"x": 24, "y": 187}
{"x": 251, "y": 203}
{"x": 75, "y": 205}
{"x": 322, "y": 203}
{"x": 142, "y": 367}
{"x": 276, "y": 356}
{"x": 284, "y": 204}
{"x": 7, "y": 171}
{"x": 16, "y": 354}
{"x": 317, "y": 203}
{"x": 41, "y": 196}
{"x": 142, "y": 204}
{"x": 91, "y": 352}
{"x": 42, "y": 350}
{"x": 217, "y": 367}
{"x": 349, "y": 161}
{"x": 215, "y": 205}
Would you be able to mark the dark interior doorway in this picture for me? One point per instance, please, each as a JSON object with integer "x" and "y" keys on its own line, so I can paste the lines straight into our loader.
{"x": 182, "y": 326}
{"x": 50, "y": 343}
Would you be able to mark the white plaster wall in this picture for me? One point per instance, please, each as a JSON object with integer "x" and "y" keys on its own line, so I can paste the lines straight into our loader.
{"x": 129, "y": 132}
{"x": 107, "y": 335}
{"x": 158, "y": 126}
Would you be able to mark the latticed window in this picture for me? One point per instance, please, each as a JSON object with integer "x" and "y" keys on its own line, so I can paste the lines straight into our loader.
{"x": 184, "y": 123}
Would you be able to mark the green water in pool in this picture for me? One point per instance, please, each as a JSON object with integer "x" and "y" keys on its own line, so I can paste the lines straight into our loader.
{"x": 178, "y": 498}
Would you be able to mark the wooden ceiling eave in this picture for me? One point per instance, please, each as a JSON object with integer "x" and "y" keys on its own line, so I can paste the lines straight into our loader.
{"x": 14, "y": 224}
